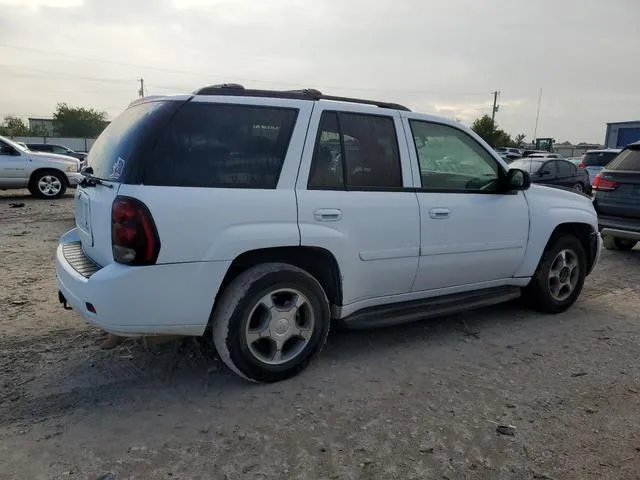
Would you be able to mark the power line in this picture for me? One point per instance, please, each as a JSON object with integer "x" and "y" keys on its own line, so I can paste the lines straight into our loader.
{"x": 233, "y": 78}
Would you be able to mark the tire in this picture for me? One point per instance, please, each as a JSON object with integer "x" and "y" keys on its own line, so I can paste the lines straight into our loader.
{"x": 542, "y": 293}
{"x": 616, "y": 243}
{"x": 578, "y": 187}
{"x": 48, "y": 184}
{"x": 246, "y": 334}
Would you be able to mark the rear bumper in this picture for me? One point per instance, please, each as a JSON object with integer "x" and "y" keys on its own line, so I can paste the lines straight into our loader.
{"x": 155, "y": 300}
{"x": 619, "y": 227}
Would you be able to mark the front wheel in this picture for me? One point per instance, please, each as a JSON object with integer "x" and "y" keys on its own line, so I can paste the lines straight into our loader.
{"x": 270, "y": 322}
{"x": 48, "y": 184}
{"x": 560, "y": 275}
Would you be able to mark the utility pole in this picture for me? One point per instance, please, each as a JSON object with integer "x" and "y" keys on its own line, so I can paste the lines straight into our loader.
{"x": 494, "y": 110}
{"x": 141, "y": 91}
{"x": 535, "y": 130}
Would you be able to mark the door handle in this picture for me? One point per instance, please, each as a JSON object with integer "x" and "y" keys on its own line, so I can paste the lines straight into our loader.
{"x": 327, "y": 215}
{"x": 439, "y": 213}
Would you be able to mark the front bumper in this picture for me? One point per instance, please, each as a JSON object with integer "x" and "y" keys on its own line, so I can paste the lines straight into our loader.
{"x": 172, "y": 299}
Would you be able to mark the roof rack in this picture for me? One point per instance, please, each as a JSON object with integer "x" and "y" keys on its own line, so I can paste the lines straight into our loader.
{"x": 234, "y": 89}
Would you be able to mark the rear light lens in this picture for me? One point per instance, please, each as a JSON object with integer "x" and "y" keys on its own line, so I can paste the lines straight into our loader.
{"x": 581, "y": 164}
{"x": 134, "y": 237}
{"x": 603, "y": 184}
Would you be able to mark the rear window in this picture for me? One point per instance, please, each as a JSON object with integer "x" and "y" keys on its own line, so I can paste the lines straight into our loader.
{"x": 597, "y": 159}
{"x": 531, "y": 166}
{"x": 115, "y": 154}
{"x": 628, "y": 160}
{"x": 223, "y": 146}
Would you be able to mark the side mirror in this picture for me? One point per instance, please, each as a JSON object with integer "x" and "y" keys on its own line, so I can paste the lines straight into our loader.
{"x": 518, "y": 179}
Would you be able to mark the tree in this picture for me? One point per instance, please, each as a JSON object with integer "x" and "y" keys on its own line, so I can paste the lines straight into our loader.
{"x": 519, "y": 140}
{"x": 14, "y": 127}
{"x": 78, "y": 122}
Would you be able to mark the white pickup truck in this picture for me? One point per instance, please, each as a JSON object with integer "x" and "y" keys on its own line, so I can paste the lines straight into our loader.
{"x": 46, "y": 175}
{"x": 262, "y": 217}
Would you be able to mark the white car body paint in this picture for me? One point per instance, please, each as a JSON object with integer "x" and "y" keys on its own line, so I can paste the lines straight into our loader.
{"x": 386, "y": 244}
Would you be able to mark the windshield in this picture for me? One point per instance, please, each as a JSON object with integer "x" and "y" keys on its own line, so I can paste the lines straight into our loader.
{"x": 598, "y": 159}
{"x": 15, "y": 145}
{"x": 527, "y": 165}
{"x": 116, "y": 150}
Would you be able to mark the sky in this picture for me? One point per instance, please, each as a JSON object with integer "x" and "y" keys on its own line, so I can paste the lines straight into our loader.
{"x": 442, "y": 57}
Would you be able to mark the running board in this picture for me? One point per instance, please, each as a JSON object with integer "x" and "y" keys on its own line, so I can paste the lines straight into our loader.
{"x": 404, "y": 312}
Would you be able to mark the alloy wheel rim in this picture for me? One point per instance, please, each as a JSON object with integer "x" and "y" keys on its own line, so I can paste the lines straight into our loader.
{"x": 563, "y": 275}
{"x": 280, "y": 326}
{"x": 49, "y": 185}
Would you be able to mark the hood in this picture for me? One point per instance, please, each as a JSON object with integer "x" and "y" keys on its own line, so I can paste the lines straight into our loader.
{"x": 54, "y": 156}
{"x": 561, "y": 194}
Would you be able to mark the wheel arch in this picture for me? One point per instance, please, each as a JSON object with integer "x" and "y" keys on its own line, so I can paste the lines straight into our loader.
{"x": 318, "y": 262}
{"x": 41, "y": 170}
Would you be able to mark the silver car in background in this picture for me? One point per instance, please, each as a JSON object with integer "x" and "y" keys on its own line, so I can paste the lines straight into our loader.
{"x": 46, "y": 175}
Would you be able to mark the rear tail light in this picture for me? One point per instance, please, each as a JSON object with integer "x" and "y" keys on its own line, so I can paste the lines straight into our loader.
{"x": 582, "y": 164}
{"x": 603, "y": 184}
{"x": 134, "y": 237}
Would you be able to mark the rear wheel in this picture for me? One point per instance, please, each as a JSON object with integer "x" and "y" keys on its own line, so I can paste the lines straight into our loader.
{"x": 270, "y": 322}
{"x": 616, "y": 243}
{"x": 578, "y": 187}
{"x": 48, "y": 184}
{"x": 559, "y": 277}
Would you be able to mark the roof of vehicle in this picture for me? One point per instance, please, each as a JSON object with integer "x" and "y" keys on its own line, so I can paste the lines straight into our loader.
{"x": 600, "y": 150}
{"x": 47, "y": 144}
{"x": 233, "y": 89}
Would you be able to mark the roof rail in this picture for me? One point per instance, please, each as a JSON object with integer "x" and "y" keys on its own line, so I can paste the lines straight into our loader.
{"x": 234, "y": 89}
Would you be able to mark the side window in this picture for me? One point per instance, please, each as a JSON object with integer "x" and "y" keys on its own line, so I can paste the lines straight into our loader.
{"x": 565, "y": 169}
{"x": 550, "y": 168}
{"x": 451, "y": 160}
{"x": 326, "y": 168}
{"x": 222, "y": 146}
{"x": 6, "y": 149}
{"x": 59, "y": 149}
{"x": 356, "y": 151}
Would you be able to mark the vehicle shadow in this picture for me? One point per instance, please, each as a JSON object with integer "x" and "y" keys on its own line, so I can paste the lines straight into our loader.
{"x": 75, "y": 374}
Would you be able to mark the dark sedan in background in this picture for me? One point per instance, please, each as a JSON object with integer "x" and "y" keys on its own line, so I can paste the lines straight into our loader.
{"x": 617, "y": 199}
{"x": 54, "y": 148}
{"x": 554, "y": 172}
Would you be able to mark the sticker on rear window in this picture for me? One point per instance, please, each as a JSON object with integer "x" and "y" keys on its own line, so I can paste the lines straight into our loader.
{"x": 116, "y": 171}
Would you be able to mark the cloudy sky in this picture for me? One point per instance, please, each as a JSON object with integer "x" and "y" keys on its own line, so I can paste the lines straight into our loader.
{"x": 436, "y": 56}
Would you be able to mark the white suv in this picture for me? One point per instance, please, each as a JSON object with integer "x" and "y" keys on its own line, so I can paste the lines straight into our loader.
{"x": 263, "y": 216}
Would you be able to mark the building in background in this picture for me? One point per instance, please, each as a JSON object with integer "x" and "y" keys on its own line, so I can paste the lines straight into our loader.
{"x": 621, "y": 134}
{"x": 42, "y": 126}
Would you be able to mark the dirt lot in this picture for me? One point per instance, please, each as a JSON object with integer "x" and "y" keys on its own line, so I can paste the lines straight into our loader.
{"x": 415, "y": 401}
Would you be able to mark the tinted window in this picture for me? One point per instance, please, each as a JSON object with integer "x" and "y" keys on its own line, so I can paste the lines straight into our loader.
{"x": 627, "y": 160}
{"x": 528, "y": 165}
{"x": 326, "y": 168}
{"x": 6, "y": 149}
{"x": 60, "y": 150}
{"x": 565, "y": 169}
{"x": 117, "y": 153}
{"x": 362, "y": 148}
{"x": 597, "y": 159}
{"x": 550, "y": 168}
{"x": 223, "y": 146}
{"x": 452, "y": 160}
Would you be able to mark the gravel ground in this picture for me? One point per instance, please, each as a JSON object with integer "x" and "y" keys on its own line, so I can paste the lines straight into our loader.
{"x": 415, "y": 401}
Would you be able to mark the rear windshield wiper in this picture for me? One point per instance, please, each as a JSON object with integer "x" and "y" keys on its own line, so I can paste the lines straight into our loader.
{"x": 90, "y": 181}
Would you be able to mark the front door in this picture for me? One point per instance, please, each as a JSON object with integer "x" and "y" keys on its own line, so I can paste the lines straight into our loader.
{"x": 355, "y": 200}
{"x": 472, "y": 231}
{"x": 13, "y": 166}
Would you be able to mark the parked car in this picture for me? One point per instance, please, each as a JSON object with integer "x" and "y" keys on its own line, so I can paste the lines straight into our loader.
{"x": 54, "y": 148}
{"x": 617, "y": 199}
{"x": 555, "y": 172}
{"x": 227, "y": 209}
{"x": 46, "y": 175}
{"x": 526, "y": 152}
{"x": 595, "y": 160}
{"x": 543, "y": 155}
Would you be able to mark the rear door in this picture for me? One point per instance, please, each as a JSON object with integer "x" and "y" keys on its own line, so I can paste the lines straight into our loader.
{"x": 566, "y": 174}
{"x": 621, "y": 197}
{"x": 355, "y": 198}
